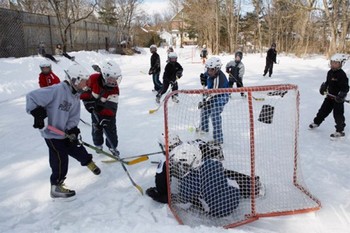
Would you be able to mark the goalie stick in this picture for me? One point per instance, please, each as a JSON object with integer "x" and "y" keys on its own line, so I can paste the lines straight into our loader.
{"x": 138, "y": 187}
{"x": 131, "y": 162}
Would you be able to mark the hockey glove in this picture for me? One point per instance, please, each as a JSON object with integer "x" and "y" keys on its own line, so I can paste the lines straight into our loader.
{"x": 203, "y": 104}
{"x": 73, "y": 135}
{"x": 203, "y": 79}
{"x": 93, "y": 104}
{"x": 340, "y": 97}
{"x": 39, "y": 115}
{"x": 178, "y": 74}
{"x": 323, "y": 88}
{"x": 104, "y": 121}
{"x": 89, "y": 105}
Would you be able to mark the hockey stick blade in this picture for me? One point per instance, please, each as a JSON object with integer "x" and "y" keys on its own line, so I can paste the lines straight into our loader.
{"x": 258, "y": 99}
{"x": 131, "y": 162}
{"x": 138, "y": 187}
{"x": 153, "y": 110}
{"x": 136, "y": 157}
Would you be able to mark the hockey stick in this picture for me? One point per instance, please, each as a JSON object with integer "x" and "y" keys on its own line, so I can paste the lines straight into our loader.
{"x": 115, "y": 159}
{"x": 98, "y": 150}
{"x": 258, "y": 99}
{"x": 117, "y": 156}
{"x": 160, "y": 104}
{"x": 333, "y": 96}
{"x": 138, "y": 157}
{"x": 85, "y": 123}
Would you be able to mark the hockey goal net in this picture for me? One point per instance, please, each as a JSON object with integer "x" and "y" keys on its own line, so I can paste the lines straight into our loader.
{"x": 249, "y": 170}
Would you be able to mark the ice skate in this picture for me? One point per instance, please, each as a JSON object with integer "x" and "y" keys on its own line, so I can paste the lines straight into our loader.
{"x": 313, "y": 126}
{"x": 60, "y": 191}
{"x": 337, "y": 135}
{"x": 92, "y": 167}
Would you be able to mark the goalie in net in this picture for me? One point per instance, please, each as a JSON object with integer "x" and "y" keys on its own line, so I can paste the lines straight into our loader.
{"x": 202, "y": 179}
{"x": 253, "y": 173}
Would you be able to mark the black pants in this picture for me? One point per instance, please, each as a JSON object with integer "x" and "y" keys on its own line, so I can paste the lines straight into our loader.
{"x": 268, "y": 67}
{"x": 166, "y": 84}
{"x": 67, "y": 56}
{"x": 59, "y": 149}
{"x": 52, "y": 58}
{"x": 110, "y": 129}
{"x": 338, "y": 113}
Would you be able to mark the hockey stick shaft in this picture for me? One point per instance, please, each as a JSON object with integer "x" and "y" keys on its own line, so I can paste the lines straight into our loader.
{"x": 132, "y": 162}
{"x": 85, "y": 123}
{"x": 333, "y": 96}
{"x": 123, "y": 165}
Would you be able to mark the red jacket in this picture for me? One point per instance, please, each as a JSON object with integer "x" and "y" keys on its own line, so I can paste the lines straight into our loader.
{"x": 46, "y": 80}
{"x": 107, "y": 96}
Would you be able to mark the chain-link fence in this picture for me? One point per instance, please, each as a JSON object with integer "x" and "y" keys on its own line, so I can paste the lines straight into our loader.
{"x": 21, "y": 33}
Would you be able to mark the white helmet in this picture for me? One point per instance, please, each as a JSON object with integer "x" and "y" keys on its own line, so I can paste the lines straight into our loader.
{"x": 111, "y": 73}
{"x": 173, "y": 140}
{"x": 213, "y": 63}
{"x": 172, "y": 55}
{"x": 187, "y": 154}
{"x": 339, "y": 57}
{"x": 45, "y": 64}
{"x": 204, "y": 46}
{"x": 153, "y": 48}
{"x": 76, "y": 74}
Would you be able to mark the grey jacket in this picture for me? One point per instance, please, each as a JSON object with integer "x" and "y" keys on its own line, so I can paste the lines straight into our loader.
{"x": 62, "y": 107}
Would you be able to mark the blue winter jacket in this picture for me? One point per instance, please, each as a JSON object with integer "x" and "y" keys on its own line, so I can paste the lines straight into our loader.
{"x": 210, "y": 186}
{"x": 220, "y": 81}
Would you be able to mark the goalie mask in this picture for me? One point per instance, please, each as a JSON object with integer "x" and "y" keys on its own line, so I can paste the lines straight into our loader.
{"x": 188, "y": 155}
{"x": 173, "y": 140}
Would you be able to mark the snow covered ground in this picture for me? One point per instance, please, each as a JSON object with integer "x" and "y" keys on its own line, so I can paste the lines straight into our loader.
{"x": 108, "y": 203}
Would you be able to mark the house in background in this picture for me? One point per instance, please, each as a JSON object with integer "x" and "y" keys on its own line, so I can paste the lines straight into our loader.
{"x": 178, "y": 28}
{"x": 167, "y": 37}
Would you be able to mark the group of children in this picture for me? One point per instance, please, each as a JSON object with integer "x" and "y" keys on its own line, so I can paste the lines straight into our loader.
{"x": 59, "y": 106}
{"x": 56, "y": 105}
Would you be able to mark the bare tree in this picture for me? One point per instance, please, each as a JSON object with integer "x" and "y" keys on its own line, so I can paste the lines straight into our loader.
{"x": 69, "y": 12}
{"x": 126, "y": 11}
{"x": 5, "y": 3}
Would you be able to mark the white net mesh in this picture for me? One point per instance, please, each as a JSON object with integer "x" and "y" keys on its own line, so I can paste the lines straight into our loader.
{"x": 224, "y": 145}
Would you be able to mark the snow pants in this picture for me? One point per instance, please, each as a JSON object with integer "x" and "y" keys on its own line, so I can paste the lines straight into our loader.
{"x": 338, "y": 113}
{"x": 214, "y": 113}
{"x": 110, "y": 129}
{"x": 156, "y": 82}
{"x": 59, "y": 149}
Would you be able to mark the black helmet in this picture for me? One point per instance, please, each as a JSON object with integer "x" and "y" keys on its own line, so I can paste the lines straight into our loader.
{"x": 273, "y": 45}
{"x": 239, "y": 54}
